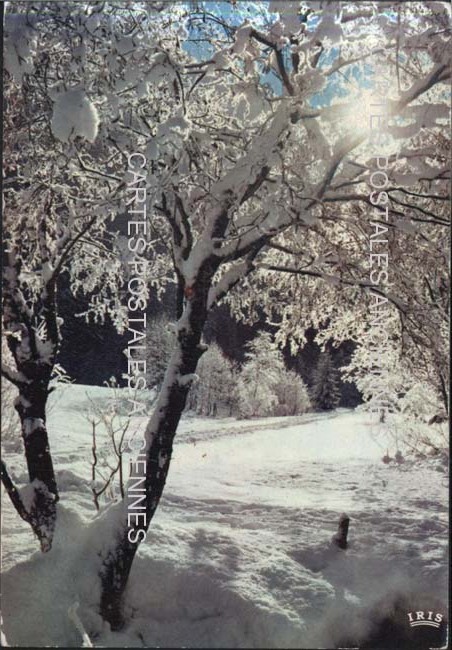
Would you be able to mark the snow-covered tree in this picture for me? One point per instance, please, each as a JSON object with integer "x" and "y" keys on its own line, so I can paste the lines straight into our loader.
{"x": 57, "y": 202}
{"x": 414, "y": 418}
{"x": 215, "y": 391}
{"x": 252, "y": 158}
{"x": 292, "y": 394}
{"x": 262, "y": 370}
{"x": 265, "y": 386}
{"x": 325, "y": 391}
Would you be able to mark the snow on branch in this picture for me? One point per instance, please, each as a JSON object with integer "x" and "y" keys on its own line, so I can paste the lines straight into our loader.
{"x": 67, "y": 244}
{"x": 243, "y": 180}
{"x": 186, "y": 380}
{"x": 74, "y": 617}
{"x": 335, "y": 279}
{"x": 16, "y": 378}
{"x": 440, "y": 72}
{"x": 229, "y": 279}
{"x": 270, "y": 41}
{"x": 74, "y": 115}
{"x": 12, "y": 292}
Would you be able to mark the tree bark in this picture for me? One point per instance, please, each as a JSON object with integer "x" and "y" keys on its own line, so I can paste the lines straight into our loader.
{"x": 42, "y": 516}
{"x": 161, "y": 432}
{"x": 34, "y": 365}
{"x": 41, "y": 512}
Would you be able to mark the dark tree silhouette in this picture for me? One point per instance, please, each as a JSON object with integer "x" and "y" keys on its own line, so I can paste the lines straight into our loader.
{"x": 325, "y": 393}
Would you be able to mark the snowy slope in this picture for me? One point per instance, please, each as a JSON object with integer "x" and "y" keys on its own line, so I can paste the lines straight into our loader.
{"x": 238, "y": 554}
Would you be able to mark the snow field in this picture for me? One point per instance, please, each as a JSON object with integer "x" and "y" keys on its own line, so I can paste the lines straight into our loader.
{"x": 238, "y": 554}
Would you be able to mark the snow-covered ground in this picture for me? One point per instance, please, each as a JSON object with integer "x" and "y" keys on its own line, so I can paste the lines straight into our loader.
{"x": 238, "y": 554}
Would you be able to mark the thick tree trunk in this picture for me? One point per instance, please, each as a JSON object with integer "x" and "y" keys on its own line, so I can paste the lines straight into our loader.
{"x": 31, "y": 407}
{"x": 160, "y": 433}
{"x": 34, "y": 356}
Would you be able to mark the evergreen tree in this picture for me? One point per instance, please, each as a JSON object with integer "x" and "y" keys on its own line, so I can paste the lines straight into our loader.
{"x": 325, "y": 392}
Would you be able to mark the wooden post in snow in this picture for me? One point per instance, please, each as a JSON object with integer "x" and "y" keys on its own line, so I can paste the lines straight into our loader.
{"x": 340, "y": 538}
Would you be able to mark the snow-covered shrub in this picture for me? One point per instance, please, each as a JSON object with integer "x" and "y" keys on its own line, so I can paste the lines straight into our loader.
{"x": 265, "y": 386}
{"x": 215, "y": 392}
{"x": 325, "y": 392}
{"x": 292, "y": 394}
{"x": 414, "y": 417}
{"x": 422, "y": 423}
{"x": 110, "y": 424}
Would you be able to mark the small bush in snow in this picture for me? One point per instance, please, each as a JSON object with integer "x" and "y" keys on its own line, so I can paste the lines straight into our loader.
{"x": 111, "y": 432}
{"x": 416, "y": 420}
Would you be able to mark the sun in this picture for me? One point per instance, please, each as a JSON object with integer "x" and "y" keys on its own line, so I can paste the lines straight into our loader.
{"x": 364, "y": 112}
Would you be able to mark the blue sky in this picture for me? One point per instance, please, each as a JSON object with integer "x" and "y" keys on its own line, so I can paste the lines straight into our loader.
{"x": 235, "y": 15}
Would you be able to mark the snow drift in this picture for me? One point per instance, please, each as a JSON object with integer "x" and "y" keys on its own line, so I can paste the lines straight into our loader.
{"x": 239, "y": 552}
